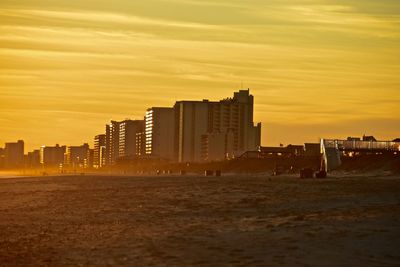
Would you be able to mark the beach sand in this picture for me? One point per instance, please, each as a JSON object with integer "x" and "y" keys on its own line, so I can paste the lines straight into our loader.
{"x": 235, "y": 220}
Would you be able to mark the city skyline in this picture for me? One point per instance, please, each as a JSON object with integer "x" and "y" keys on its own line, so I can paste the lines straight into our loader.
{"x": 317, "y": 68}
{"x": 189, "y": 131}
{"x": 29, "y": 147}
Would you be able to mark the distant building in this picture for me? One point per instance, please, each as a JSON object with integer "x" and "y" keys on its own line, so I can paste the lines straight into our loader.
{"x": 14, "y": 154}
{"x": 236, "y": 115}
{"x": 128, "y": 130}
{"x": 369, "y": 138}
{"x": 2, "y": 160}
{"x": 353, "y": 139}
{"x": 191, "y": 131}
{"x": 207, "y": 130}
{"x": 192, "y": 122}
{"x": 215, "y": 146}
{"x": 78, "y": 156}
{"x": 112, "y": 142}
{"x": 33, "y": 159}
{"x": 160, "y": 132}
{"x": 99, "y": 152}
{"x": 312, "y": 149}
{"x": 141, "y": 144}
{"x": 52, "y": 156}
{"x": 290, "y": 150}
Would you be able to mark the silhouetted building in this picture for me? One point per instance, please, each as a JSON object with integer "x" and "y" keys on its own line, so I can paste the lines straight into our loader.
{"x": 298, "y": 150}
{"x": 207, "y": 130}
{"x": 78, "y": 156}
{"x": 52, "y": 156}
{"x": 290, "y": 150}
{"x": 312, "y": 149}
{"x": 369, "y": 138}
{"x": 191, "y": 123}
{"x": 159, "y": 132}
{"x": 353, "y": 138}
{"x": 99, "y": 152}
{"x": 235, "y": 115}
{"x": 33, "y": 159}
{"x": 128, "y": 130}
{"x": 215, "y": 146}
{"x": 14, "y": 154}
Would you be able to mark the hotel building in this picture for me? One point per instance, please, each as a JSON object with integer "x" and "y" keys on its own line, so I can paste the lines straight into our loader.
{"x": 128, "y": 130}
{"x": 52, "y": 156}
{"x": 99, "y": 153}
{"x": 14, "y": 154}
{"x": 209, "y": 131}
{"x": 160, "y": 133}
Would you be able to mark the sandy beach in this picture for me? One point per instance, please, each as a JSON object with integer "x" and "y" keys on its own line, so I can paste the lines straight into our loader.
{"x": 243, "y": 220}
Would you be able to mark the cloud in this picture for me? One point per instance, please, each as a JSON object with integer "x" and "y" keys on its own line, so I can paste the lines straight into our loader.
{"x": 102, "y": 17}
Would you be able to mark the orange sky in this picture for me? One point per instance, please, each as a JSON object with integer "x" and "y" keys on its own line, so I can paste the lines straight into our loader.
{"x": 317, "y": 68}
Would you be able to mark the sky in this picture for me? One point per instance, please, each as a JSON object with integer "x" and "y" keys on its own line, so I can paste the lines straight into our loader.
{"x": 317, "y": 68}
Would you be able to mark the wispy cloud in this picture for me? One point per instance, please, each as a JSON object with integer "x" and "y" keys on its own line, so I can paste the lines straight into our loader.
{"x": 103, "y": 17}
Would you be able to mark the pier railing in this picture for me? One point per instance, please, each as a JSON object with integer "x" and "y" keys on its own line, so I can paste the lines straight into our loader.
{"x": 356, "y": 145}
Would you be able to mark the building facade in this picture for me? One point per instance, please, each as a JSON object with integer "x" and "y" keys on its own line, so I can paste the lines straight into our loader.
{"x": 33, "y": 159}
{"x": 14, "y": 154}
{"x": 112, "y": 142}
{"x": 235, "y": 116}
{"x": 78, "y": 156}
{"x": 191, "y": 131}
{"x": 191, "y": 123}
{"x": 52, "y": 156}
{"x": 99, "y": 152}
{"x": 160, "y": 133}
{"x": 128, "y": 131}
{"x": 211, "y": 131}
{"x": 141, "y": 144}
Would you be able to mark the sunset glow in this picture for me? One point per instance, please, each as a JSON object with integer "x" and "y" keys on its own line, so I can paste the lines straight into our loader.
{"x": 316, "y": 68}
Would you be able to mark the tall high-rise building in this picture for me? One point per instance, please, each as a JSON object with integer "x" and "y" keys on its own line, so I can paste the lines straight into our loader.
{"x": 112, "y": 142}
{"x": 121, "y": 139}
{"x": 99, "y": 152}
{"x": 14, "y": 154}
{"x": 235, "y": 115}
{"x": 207, "y": 131}
{"x": 128, "y": 130}
{"x": 160, "y": 132}
{"x": 52, "y": 156}
{"x": 191, "y": 122}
